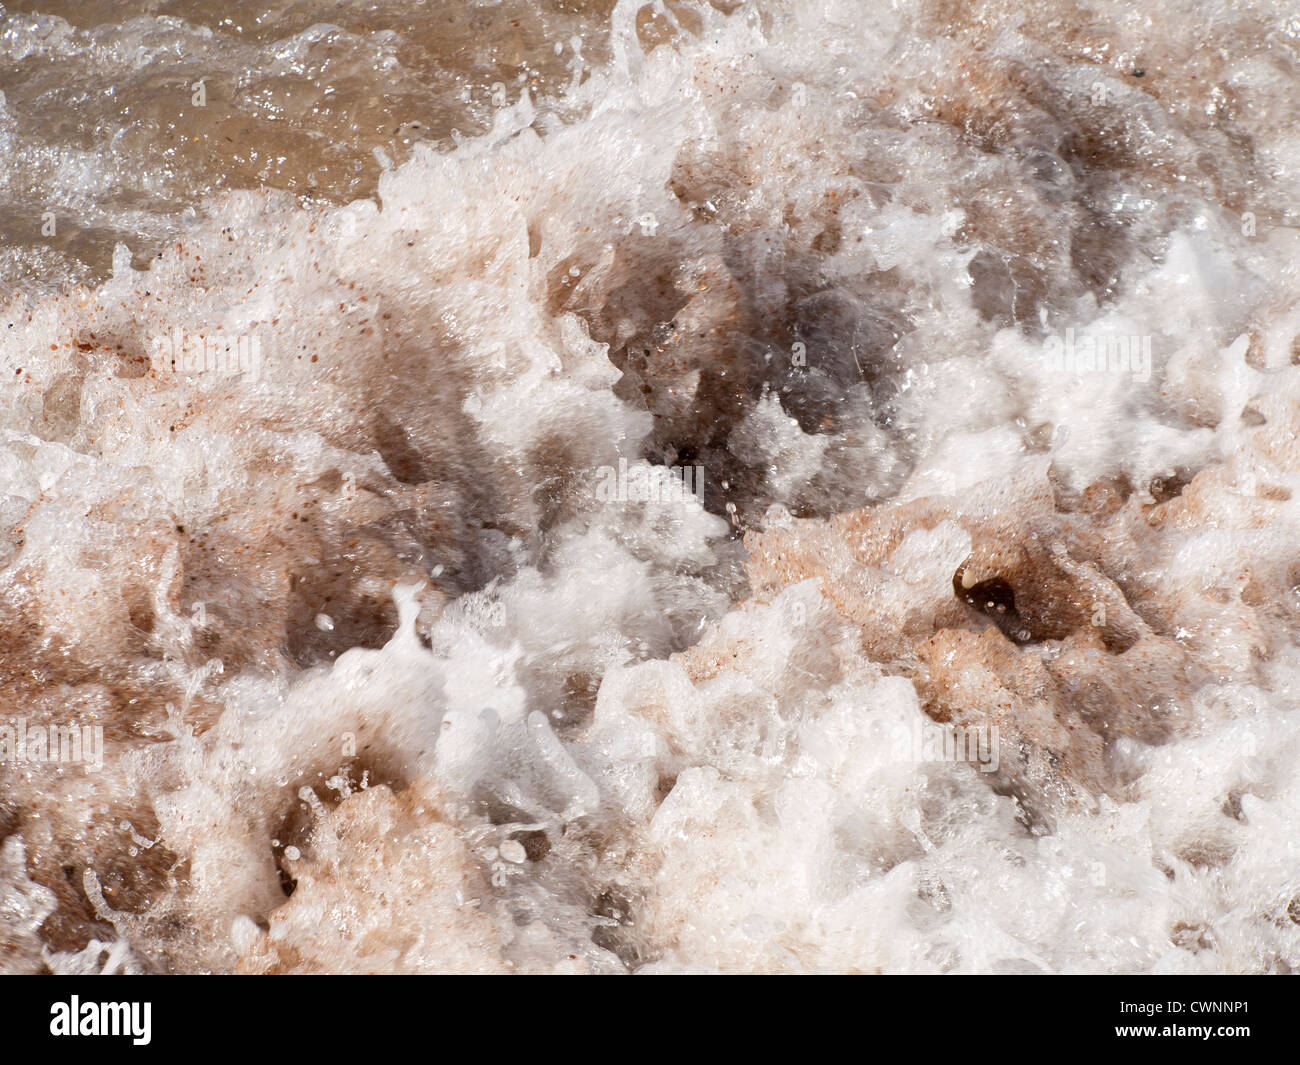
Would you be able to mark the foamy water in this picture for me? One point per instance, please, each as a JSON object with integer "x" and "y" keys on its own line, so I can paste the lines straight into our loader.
{"x": 585, "y": 488}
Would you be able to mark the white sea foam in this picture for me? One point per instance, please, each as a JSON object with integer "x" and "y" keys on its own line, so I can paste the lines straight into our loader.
{"x": 813, "y": 250}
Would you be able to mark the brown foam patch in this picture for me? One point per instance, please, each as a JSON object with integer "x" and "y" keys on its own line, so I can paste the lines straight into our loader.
{"x": 1067, "y": 628}
{"x": 389, "y": 887}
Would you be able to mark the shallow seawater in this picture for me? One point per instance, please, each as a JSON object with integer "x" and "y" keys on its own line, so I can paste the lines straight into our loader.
{"x": 599, "y": 487}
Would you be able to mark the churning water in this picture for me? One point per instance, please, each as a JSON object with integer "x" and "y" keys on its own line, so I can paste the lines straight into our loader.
{"x": 584, "y": 486}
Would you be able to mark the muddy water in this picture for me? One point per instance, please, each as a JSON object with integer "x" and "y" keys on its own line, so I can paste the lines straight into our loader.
{"x": 503, "y": 487}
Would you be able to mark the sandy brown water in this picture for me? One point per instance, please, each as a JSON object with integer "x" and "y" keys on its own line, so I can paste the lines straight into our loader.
{"x": 410, "y": 647}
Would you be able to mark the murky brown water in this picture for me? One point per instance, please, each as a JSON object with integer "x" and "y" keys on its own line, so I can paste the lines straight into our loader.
{"x": 544, "y": 487}
{"x": 103, "y": 128}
